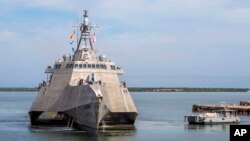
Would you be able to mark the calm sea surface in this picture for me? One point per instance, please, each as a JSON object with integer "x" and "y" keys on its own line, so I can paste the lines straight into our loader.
{"x": 161, "y": 118}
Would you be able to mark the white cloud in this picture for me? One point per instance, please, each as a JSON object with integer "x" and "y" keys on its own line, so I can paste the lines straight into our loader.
{"x": 170, "y": 35}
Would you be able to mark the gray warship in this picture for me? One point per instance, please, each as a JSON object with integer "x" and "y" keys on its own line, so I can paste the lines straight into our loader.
{"x": 83, "y": 91}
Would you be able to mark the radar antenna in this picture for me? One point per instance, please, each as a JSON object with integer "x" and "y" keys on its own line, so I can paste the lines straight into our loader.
{"x": 85, "y": 29}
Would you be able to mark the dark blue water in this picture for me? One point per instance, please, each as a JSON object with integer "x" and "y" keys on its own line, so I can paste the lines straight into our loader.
{"x": 161, "y": 118}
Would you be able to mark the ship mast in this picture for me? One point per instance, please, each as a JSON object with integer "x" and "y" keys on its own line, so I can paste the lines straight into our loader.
{"x": 85, "y": 29}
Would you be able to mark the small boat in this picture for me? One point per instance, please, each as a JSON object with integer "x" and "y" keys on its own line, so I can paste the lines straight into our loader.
{"x": 217, "y": 117}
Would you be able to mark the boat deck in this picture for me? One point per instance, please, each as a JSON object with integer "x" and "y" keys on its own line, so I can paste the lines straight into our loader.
{"x": 241, "y": 110}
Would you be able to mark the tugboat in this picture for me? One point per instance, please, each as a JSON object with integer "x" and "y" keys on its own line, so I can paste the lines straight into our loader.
{"x": 216, "y": 117}
{"x": 84, "y": 91}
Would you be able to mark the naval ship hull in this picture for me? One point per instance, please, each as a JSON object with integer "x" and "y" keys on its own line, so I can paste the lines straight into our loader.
{"x": 83, "y": 90}
{"x": 88, "y": 110}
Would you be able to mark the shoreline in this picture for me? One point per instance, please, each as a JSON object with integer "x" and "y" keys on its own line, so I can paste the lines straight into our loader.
{"x": 144, "y": 89}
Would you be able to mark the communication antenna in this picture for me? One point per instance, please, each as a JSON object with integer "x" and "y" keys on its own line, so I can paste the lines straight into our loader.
{"x": 85, "y": 31}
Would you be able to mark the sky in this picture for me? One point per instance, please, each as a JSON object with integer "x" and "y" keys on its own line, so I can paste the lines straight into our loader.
{"x": 165, "y": 43}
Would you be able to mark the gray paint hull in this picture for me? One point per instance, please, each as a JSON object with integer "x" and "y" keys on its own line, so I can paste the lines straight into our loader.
{"x": 84, "y": 110}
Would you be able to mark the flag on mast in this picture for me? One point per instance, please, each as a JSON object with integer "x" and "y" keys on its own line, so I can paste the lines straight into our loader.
{"x": 72, "y": 36}
{"x": 94, "y": 37}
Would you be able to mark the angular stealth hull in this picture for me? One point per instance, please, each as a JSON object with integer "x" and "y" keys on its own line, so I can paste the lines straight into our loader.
{"x": 87, "y": 107}
{"x": 84, "y": 92}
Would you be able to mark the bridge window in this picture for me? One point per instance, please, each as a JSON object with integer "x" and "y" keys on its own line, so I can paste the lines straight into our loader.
{"x": 76, "y": 65}
{"x": 57, "y": 66}
{"x": 112, "y": 67}
{"x": 80, "y": 65}
{"x": 89, "y": 65}
{"x": 97, "y": 66}
{"x": 104, "y": 66}
{"x": 84, "y": 65}
{"x": 67, "y": 66}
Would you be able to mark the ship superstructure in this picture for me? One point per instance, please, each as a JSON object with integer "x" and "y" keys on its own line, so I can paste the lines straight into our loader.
{"x": 84, "y": 91}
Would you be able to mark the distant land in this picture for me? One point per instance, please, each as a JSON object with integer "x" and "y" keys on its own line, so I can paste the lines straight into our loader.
{"x": 145, "y": 89}
{"x": 162, "y": 89}
{"x": 17, "y": 89}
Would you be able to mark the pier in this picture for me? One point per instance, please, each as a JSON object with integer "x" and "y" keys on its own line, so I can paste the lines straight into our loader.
{"x": 241, "y": 110}
{"x": 245, "y": 103}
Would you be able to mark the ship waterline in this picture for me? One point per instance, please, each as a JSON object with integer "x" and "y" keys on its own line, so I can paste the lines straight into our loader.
{"x": 84, "y": 91}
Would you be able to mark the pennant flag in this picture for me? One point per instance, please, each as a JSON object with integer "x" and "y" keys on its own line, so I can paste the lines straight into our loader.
{"x": 72, "y": 36}
{"x": 94, "y": 37}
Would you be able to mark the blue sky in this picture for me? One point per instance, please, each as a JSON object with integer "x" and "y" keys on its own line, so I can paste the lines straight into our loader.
{"x": 172, "y": 43}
